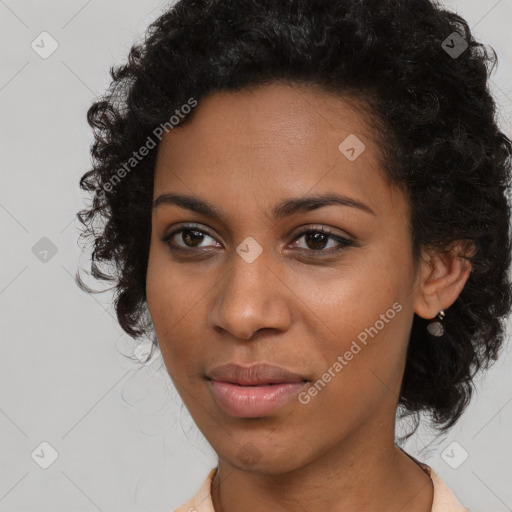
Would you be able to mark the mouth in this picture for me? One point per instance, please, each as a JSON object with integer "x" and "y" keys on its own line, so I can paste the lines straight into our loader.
{"x": 253, "y": 401}
{"x": 255, "y": 391}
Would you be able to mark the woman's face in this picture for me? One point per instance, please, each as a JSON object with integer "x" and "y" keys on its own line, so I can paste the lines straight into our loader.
{"x": 248, "y": 285}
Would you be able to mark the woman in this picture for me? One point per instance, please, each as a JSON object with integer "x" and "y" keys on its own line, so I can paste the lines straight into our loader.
{"x": 305, "y": 205}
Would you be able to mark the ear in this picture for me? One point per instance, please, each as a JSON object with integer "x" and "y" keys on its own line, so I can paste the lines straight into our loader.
{"x": 441, "y": 277}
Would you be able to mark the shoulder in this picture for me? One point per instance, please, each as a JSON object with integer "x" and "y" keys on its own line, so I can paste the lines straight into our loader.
{"x": 444, "y": 499}
{"x": 202, "y": 501}
{"x": 187, "y": 507}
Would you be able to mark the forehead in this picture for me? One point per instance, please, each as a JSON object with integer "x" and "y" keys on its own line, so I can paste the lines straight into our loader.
{"x": 270, "y": 141}
{"x": 276, "y": 115}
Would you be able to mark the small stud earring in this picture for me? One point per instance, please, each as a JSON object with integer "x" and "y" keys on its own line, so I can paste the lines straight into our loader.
{"x": 435, "y": 327}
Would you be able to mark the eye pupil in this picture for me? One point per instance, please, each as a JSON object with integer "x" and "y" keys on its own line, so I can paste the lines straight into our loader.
{"x": 318, "y": 238}
{"x": 186, "y": 237}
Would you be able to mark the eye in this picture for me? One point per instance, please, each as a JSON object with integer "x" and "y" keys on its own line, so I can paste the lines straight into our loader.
{"x": 317, "y": 239}
{"x": 189, "y": 238}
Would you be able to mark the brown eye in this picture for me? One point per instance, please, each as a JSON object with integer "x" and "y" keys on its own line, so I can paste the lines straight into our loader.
{"x": 191, "y": 238}
{"x": 317, "y": 239}
{"x": 186, "y": 238}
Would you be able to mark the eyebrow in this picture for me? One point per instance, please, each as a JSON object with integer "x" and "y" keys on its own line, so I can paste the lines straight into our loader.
{"x": 287, "y": 207}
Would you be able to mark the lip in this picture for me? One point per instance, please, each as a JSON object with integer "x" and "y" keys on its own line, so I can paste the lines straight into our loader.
{"x": 254, "y": 391}
{"x": 255, "y": 375}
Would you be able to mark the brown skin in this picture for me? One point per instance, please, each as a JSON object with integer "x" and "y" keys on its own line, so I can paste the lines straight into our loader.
{"x": 244, "y": 152}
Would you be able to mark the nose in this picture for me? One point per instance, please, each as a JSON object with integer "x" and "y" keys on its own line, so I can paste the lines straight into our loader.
{"x": 250, "y": 297}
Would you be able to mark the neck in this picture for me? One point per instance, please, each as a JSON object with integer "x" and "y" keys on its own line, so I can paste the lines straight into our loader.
{"x": 361, "y": 474}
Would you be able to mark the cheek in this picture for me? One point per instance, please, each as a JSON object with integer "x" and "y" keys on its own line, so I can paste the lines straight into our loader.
{"x": 361, "y": 312}
{"x": 359, "y": 355}
{"x": 172, "y": 304}
{"x": 354, "y": 295}
{"x": 170, "y": 293}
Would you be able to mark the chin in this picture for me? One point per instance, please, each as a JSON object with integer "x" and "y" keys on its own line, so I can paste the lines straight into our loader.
{"x": 251, "y": 456}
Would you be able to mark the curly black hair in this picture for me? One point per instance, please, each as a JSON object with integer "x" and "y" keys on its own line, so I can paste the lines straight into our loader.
{"x": 419, "y": 74}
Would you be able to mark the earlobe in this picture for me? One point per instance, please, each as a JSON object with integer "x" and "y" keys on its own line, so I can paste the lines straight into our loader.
{"x": 441, "y": 278}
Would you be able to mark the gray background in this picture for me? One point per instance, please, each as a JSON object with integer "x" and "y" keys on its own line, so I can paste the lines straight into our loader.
{"x": 122, "y": 437}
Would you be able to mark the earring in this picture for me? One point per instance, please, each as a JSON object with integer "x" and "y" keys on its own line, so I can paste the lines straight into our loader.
{"x": 435, "y": 327}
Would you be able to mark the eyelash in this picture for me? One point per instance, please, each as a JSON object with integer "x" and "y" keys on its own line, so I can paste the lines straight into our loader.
{"x": 344, "y": 242}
